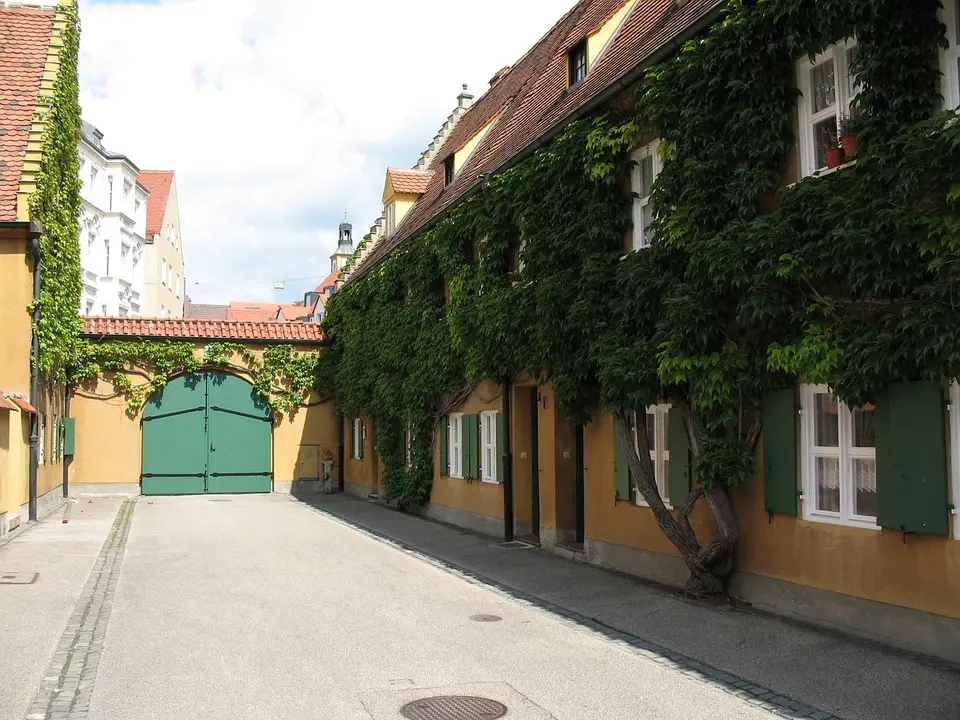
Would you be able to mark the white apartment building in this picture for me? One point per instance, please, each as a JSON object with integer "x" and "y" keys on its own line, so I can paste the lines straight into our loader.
{"x": 113, "y": 221}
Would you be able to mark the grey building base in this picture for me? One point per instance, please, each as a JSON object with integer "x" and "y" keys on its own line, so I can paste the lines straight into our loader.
{"x": 911, "y": 630}
{"x": 901, "y": 627}
{"x": 14, "y": 522}
{"x": 554, "y": 540}
{"x": 306, "y": 487}
{"x": 360, "y": 491}
{"x": 484, "y": 524}
{"x": 105, "y": 489}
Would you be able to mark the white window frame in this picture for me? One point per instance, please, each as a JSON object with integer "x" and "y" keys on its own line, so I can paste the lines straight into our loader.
{"x": 391, "y": 218}
{"x": 651, "y": 150}
{"x": 955, "y": 453}
{"x": 455, "y": 445}
{"x": 838, "y": 53}
{"x": 845, "y": 455}
{"x": 659, "y": 454}
{"x": 950, "y": 58}
{"x": 357, "y": 439}
{"x": 488, "y": 446}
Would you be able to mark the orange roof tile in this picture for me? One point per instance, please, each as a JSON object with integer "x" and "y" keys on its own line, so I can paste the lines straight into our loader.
{"x": 330, "y": 281}
{"x": 157, "y": 183}
{"x": 532, "y": 101}
{"x": 293, "y": 311}
{"x": 252, "y": 312}
{"x": 409, "y": 181}
{"x": 6, "y": 404}
{"x": 203, "y": 329}
{"x": 24, "y": 40}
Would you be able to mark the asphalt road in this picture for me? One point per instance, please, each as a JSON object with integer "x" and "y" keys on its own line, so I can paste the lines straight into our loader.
{"x": 256, "y": 607}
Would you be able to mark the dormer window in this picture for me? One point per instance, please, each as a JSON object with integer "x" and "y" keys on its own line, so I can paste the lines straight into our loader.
{"x": 448, "y": 171}
{"x": 577, "y": 61}
{"x": 391, "y": 218}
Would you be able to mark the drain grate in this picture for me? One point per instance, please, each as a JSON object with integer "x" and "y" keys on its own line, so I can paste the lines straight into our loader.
{"x": 486, "y": 618}
{"x": 18, "y": 578}
{"x": 454, "y": 707}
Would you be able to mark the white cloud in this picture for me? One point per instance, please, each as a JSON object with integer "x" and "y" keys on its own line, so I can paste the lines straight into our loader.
{"x": 278, "y": 115}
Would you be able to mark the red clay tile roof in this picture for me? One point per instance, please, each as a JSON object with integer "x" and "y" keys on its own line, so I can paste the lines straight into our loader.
{"x": 533, "y": 100}
{"x": 202, "y": 329}
{"x": 6, "y": 404}
{"x": 329, "y": 281}
{"x": 293, "y": 311}
{"x": 409, "y": 181}
{"x": 239, "y": 311}
{"x": 24, "y": 41}
{"x": 201, "y": 311}
{"x": 19, "y": 400}
{"x": 157, "y": 183}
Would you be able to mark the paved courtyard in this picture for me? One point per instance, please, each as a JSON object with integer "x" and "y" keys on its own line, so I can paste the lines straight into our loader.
{"x": 261, "y": 607}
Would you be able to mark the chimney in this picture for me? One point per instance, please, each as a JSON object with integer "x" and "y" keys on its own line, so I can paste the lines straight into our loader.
{"x": 499, "y": 76}
{"x": 464, "y": 99}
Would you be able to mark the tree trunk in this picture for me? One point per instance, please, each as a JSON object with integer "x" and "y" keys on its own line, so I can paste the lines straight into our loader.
{"x": 709, "y": 564}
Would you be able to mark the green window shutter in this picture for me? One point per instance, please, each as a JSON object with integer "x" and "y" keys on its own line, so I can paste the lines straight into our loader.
{"x": 500, "y": 447}
{"x": 780, "y": 451}
{"x": 444, "y": 450}
{"x": 471, "y": 444}
{"x": 363, "y": 438}
{"x": 621, "y": 470}
{"x": 678, "y": 481}
{"x": 912, "y": 459}
{"x": 69, "y": 436}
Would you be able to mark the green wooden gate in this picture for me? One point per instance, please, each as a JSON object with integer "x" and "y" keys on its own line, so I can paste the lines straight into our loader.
{"x": 206, "y": 433}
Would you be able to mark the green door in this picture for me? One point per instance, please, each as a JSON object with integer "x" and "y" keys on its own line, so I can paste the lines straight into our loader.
{"x": 206, "y": 433}
{"x": 238, "y": 434}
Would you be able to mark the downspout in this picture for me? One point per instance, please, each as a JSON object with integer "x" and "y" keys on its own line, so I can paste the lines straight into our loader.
{"x": 67, "y": 459}
{"x": 36, "y": 230}
{"x": 341, "y": 479}
{"x": 507, "y": 465}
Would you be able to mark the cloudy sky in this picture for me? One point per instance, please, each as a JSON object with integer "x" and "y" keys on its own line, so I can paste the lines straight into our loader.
{"x": 280, "y": 115}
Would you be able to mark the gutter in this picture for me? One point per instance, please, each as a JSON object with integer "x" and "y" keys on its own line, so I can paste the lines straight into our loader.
{"x": 659, "y": 55}
{"x": 36, "y": 230}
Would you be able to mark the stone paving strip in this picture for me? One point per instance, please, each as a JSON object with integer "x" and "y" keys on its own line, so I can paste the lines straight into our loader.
{"x": 777, "y": 705}
{"x": 64, "y": 692}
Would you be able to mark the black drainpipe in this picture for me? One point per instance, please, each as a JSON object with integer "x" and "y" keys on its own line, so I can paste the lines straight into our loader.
{"x": 507, "y": 466}
{"x": 67, "y": 459}
{"x": 36, "y": 230}
{"x": 341, "y": 477}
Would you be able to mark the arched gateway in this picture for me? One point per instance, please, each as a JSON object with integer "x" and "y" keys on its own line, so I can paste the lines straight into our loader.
{"x": 207, "y": 432}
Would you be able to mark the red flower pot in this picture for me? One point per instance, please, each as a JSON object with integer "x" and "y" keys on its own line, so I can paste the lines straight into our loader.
{"x": 850, "y": 144}
{"x": 834, "y": 157}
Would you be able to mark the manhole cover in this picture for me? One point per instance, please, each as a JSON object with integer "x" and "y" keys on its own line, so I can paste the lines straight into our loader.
{"x": 454, "y": 707}
{"x": 18, "y": 578}
{"x": 486, "y": 618}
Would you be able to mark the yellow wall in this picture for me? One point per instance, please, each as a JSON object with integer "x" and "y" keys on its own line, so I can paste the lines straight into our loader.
{"x": 471, "y": 495}
{"x": 923, "y": 574}
{"x": 598, "y": 41}
{"x": 108, "y": 435}
{"x": 16, "y": 294}
{"x": 463, "y": 154}
{"x": 364, "y": 473}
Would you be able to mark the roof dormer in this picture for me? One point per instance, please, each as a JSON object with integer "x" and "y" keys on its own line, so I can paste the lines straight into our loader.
{"x": 401, "y": 190}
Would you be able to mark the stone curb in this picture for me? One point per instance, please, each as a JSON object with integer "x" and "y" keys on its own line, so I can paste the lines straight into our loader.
{"x": 776, "y": 704}
{"x": 67, "y": 686}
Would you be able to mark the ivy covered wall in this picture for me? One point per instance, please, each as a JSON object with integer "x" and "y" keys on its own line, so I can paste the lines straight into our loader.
{"x": 847, "y": 279}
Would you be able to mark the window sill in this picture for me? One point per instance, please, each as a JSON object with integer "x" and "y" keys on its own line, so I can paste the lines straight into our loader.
{"x": 845, "y": 522}
{"x": 824, "y": 173}
{"x": 490, "y": 481}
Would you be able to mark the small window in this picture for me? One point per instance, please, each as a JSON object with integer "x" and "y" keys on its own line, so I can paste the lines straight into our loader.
{"x": 658, "y": 418}
{"x": 456, "y": 445}
{"x": 448, "y": 171}
{"x": 93, "y": 173}
{"x": 577, "y": 60}
{"x": 839, "y": 459}
{"x": 110, "y": 193}
{"x": 828, "y": 88}
{"x": 391, "y": 218}
{"x": 356, "y": 446}
{"x": 950, "y": 57}
{"x": 488, "y": 443}
{"x": 127, "y": 187}
{"x": 89, "y": 307}
{"x": 645, "y": 174}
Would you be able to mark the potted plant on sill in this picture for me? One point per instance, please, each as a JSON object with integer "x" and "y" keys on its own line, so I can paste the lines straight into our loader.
{"x": 835, "y": 156}
{"x": 848, "y": 129}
